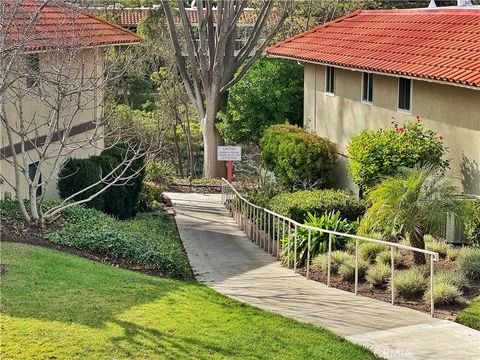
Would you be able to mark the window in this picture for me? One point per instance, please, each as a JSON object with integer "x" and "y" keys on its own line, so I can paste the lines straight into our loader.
{"x": 330, "y": 80}
{"x": 404, "y": 94}
{"x": 32, "y": 170}
{"x": 33, "y": 70}
{"x": 367, "y": 92}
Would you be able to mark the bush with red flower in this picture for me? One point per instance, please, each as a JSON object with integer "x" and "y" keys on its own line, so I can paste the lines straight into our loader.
{"x": 375, "y": 154}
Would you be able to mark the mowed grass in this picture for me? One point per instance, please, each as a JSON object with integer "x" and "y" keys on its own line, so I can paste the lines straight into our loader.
{"x": 471, "y": 315}
{"x": 58, "y": 306}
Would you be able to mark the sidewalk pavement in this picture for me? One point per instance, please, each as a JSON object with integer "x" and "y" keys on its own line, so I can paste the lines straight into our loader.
{"x": 224, "y": 259}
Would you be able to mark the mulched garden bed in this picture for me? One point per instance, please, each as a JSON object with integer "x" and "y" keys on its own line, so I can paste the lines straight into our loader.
{"x": 448, "y": 312}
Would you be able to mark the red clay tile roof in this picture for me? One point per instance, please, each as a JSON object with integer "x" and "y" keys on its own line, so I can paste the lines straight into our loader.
{"x": 248, "y": 16}
{"x": 131, "y": 17}
{"x": 441, "y": 44}
{"x": 58, "y": 24}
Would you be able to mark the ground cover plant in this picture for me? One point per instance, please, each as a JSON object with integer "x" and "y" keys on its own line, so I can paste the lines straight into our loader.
{"x": 148, "y": 242}
{"x": 56, "y": 305}
{"x": 471, "y": 315}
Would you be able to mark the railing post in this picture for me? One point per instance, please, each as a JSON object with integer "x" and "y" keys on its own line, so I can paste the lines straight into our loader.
{"x": 308, "y": 252}
{"x": 329, "y": 256}
{"x": 295, "y": 251}
{"x": 356, "y": 266}
{"x": 264, "y": 228}
{"x": 288, "y": 243}
{"x": 392, "y": 285}
{"x": 432, "y": 306}
{"x": 278, "y": 238}
{"x": 268, "y": 232}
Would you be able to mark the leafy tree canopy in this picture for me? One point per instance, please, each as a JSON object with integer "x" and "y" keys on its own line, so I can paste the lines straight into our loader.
{"x": 270, "y": 93}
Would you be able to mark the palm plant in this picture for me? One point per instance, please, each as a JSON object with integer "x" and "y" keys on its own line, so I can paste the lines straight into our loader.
{"x": 413, "y": 203}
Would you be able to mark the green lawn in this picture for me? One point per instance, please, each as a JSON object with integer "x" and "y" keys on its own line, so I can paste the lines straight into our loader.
{"x": 471, "y": 315}
{"x": 56, "y": 305}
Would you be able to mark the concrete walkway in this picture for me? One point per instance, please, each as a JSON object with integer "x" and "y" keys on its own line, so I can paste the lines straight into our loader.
{"x": 226, "y": 260}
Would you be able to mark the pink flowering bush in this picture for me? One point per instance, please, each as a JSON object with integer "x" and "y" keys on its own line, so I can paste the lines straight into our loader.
{"x": 375, "y": 154}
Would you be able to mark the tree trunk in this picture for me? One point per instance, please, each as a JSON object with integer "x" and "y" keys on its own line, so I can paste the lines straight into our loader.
{"x": 211, "y": 139}
{"x": 416, "y": 240}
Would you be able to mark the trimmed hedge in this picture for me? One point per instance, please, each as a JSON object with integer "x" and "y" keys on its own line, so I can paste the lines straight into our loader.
{"x": 472, "y": 223}
{"x": 297, "y": 205}
{"x": 122, "y": 200}
{"x": 297, "y": 158}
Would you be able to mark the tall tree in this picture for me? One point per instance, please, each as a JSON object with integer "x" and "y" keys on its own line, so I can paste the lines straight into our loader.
{"x": 210, "y": 66}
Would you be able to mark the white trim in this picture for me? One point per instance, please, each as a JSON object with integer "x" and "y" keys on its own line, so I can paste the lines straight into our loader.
{"x": 380, "y": 73}
{"x": 362, "y": 100}
{"x": 405, "y": 111}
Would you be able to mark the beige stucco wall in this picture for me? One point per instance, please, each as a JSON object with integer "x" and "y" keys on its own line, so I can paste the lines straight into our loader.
{"x": 86, "y": 66}
{"x": 449, "y": 110}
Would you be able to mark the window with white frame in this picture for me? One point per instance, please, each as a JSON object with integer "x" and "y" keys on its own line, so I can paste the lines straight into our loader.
{"x": 367, "y": 88}
{"x": 33, "y": 70}
{"x": 32, "y": 171}
{"x": 330, "y": 80}
{"x": 404, "y": 94}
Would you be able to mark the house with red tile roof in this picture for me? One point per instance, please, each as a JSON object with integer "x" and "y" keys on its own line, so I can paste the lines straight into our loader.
{"x": 52, "y": 81}
{"x": 372, "y": 67}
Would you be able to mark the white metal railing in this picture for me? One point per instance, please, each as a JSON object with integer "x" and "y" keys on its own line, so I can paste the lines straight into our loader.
{"x": 267, "y": 228}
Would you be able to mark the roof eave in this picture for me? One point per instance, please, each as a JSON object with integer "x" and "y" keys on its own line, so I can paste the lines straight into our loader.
{"x": 351, "y": 68}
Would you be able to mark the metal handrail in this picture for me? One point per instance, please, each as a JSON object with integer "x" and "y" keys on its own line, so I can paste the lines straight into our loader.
{"x": 246, "y": 215}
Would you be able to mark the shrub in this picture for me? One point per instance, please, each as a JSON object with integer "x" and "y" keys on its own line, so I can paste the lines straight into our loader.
{"x": 471, "y": 315}
{"x": 385, "y": 257}
{"x": 378, "y": 275}
{"x": 320, "y": 262}
{"x": 297, "y": 158}
{"x": 78, "y": 174}
{"x": 298, "y": 204}
{"x": 347, "y": 270}
{"x": 472, "y": 223}
{"x": 318, "y": 240}
{"x": 150, "y": 198}
{"x": 443, "y": 294}
{"x": 149, "y": 240}
{"x": 374, "y": 154}
{"x": 368, "y": 251}
{"x": 120, "y": 200}
{"x": 409, "y": 284}
{"x": 469, "y": 262}
{"x": 271, "y": 92}
{"x": 451, "y": 277}
{"x": 159, "y": 172}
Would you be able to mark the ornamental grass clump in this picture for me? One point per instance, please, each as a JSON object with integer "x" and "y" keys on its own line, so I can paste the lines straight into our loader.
{"x": 368, "y": 251}
{"x": 451, "y": 277}
{"x": 385, "y": 257}
{"x": 337, "y": 258}
{"x": 410, "y": 284}
{"x": 443, "y": 294}
{"x": 346, "y": 270}
{"x": 378, "y": 275}
{"x": 441, "y": 247}
{"x": 469, "y": 262}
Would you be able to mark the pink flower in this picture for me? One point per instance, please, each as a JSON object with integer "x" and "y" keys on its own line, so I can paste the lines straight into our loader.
{"x": 400, "y": 129}
{"x": 440, "y": 137}
{"x": 418, "y": 118}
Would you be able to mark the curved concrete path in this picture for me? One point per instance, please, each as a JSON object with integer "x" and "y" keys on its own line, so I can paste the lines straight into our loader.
{"x": 223, "y": 258}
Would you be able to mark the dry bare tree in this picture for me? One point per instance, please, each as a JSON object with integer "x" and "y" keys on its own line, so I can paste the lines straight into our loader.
{"x": 52, "y": 82}
{"x": 210, "y": 66}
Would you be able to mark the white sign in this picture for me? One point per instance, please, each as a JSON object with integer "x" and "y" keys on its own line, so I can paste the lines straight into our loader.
{"x": 225, "y": 153}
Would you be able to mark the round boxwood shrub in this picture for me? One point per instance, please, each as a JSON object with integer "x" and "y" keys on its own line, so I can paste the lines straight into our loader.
{"x": 78, "y": 174}
{"x": 298, "y": 204}
{"x": 375, "y": 154}
{"x": 299, "y": 160}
